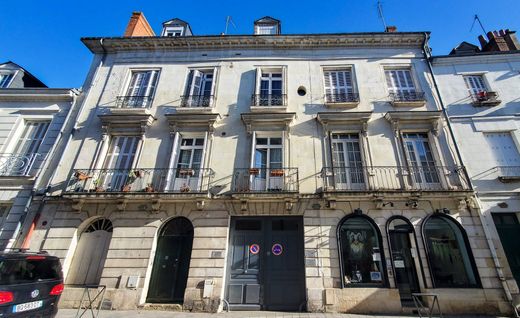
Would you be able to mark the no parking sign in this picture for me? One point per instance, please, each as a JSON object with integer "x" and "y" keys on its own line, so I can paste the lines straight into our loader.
{"x": 254, "y": 249}
{"x": 277, "y": 249}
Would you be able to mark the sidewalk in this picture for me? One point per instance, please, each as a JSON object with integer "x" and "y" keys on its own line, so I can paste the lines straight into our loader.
{"x": 71, "y": 313}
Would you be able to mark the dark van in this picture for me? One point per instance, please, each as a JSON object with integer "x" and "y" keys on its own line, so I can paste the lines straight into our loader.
{"x": 30, "y": 284}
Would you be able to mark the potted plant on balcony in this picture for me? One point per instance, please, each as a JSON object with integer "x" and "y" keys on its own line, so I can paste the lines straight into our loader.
{"x": 149, "y": 188}
{"x": 126, "y": 188}
{"x": 186, "y": 172}
{"x": 276, "y": 173}
{"x": 254, "y": 171}
{"x": 97, "y": 186}
{"x": 80, "y": 175}
{"x": 185, "y": 188}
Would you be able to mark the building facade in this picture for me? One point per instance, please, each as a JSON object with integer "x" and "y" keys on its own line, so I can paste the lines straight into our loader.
{"x": 479, "y": 86}
{"x": 265, "y": 172}
{"x": 32, "y": 119}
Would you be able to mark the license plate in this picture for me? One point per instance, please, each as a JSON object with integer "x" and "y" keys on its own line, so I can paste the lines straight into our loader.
{"x": 28, "y": 306}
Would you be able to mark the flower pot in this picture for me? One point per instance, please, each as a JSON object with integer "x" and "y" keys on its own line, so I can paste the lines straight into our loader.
{"x": 276, "y": 173}
{"x": 254, "y": 171}
{"x": 186, "y": 172}
{"x": 99, "y": 189}
{"x": 149, "y": 189}
{"x": 81, "y": 176}
{"x": 126, "y": 188}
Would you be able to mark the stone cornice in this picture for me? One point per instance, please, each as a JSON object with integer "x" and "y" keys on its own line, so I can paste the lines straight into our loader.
{"x": 37, "y": 94}
{"x": 293, "y": 41}
{"x": 478, "y": 58}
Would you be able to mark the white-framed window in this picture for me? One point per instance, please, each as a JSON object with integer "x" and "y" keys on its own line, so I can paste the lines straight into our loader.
{"x": 141, "y": 88}
{"x": 347, "y": 161}
{"x": 31, "y": 137}
{"x": 189, "y": 165}
{"x": 173, "y": 31}
{"x": 270, "y": 90}
{"x": 504, "y": 149}
{"x": 4, "y": 211}
{"x": 475, "y": 84}
{"x": 266, "y": 29}
{"x": 200, "y": 87}
{"x": 338, "y": 86}
{"x": 420, "y": 158}
{"x": 268, "y": 160}
{"x": 400, "y": 81}
{"x": 119, "y": 161}
{"x": 6, "y": 79}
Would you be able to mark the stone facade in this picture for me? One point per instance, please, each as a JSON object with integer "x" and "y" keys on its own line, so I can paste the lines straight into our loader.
{"x": 229, "y": 124}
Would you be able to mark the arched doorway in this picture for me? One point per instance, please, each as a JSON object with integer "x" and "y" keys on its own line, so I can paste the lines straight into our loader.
{"x": 91, "y": 253}
{"x": 172, "y": 262}
{"x": 404, "y": 251}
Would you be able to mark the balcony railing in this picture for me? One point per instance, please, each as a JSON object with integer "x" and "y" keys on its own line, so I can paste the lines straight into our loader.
{"x": 185, "y": 180}
{"x": 414, "y": 178}
{"x": 342, "y": 98}
{"x": 269, "y": 100}
{"x": 16, "y": 165}
{"x": 133, "y": 101}
{"x": 485, "y": 98}
{"x": 265, "y": 180}
{"x": 508, "y": 173}
{"x": 406, "y": 97}
{"x": 197, "y": 101}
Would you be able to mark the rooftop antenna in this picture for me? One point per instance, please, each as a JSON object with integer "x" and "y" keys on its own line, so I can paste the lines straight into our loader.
{"x": 380, "y": 13}
{"x": 475, "y": 19}
{"x": 229, "y": 20}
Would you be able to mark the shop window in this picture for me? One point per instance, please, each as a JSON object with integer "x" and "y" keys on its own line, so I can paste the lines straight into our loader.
{"x": 361, "y": 253}
{"x": 449, "y": 254}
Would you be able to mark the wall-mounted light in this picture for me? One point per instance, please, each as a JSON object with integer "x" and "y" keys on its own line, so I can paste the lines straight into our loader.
{"x": 358, "y": 211}
{"x": 443, "y": 210}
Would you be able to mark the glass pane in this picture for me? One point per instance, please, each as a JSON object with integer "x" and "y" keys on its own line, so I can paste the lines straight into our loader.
{"x": 275, "y": 141}
{"x": 447, "y": 251}
{"x": 276, "y": 158}
{"x": 360, "y": 253}
{"x": 22, "y": 271}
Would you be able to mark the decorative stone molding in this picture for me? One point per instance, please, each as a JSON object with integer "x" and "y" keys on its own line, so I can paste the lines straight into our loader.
{"x": 192, "y": 122}
{"x": 267, "y": 121}
{"x": 125, "y": 121}
{"x": 356, "y": 121}
{"x": 414, "y": 120}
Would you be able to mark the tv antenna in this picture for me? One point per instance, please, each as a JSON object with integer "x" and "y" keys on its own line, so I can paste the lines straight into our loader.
{"x": 380, "y": 13}
{"x": 229, "y": 20}
{"x": 477, "y": 19}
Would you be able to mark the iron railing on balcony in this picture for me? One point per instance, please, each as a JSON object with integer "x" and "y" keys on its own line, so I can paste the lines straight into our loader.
{"x": 415, "y": 178}
{"x": 485, "y": 98}
{"x": 404, "y": 96}
{"x": 16, "y": 164}
{"x": 183, "y": 180}
{"x": 133, "y": 101}
{"x": 265, "y": 180}
{"x": 508, "y": 173}
{"x": 341, "y": 98}
{"x": 269, "y": 100}
{"x": 197, "y": 101}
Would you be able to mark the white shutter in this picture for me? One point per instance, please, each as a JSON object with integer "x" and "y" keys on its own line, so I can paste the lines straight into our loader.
{"x": 399, "y": 81}
{"x": 258, "y": 80}
{"x": 196, "y": 83}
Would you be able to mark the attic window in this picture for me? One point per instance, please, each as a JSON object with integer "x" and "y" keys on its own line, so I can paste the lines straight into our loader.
{"x": 173, "y": 31}
{"x": 5, "y": 79}
{"x": 266, "y": 29}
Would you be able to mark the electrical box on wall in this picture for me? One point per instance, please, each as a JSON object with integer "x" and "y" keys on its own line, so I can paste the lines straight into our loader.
{"x": 208, "y": 288}
{"x": 132, "y": 282}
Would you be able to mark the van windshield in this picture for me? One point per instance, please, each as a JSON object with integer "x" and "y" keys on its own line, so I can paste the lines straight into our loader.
{"x": 20, "y": 271}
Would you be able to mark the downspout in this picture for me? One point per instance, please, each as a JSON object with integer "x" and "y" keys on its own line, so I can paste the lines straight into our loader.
{"x": 489, "y": 241}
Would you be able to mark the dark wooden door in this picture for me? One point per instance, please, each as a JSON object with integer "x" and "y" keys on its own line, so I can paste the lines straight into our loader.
{"x": 404, "y": 265}
{"x": 266, "y": 269}
{"x": 171, "y": 263}
{"x": 508, "y": 229}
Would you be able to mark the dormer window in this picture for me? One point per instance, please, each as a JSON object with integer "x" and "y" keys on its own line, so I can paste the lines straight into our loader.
{"x": 5, "y": 79}
{"x": 176, "y": 27}
{"x": 267, "y": 26}
{"x": 173, "y": 31}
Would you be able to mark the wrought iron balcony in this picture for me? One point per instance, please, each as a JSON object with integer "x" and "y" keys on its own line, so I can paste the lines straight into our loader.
{"x": 140, "y": 180}
{"x": 342, "y": 98}
{"x": 508, "y": 174}
{"x": 404, "y": 98}
{"x": 197, "y": 101}
{"x": 485, "y": 98}
{"x": 413, "y": 178}
{"x": 269, "y": 100}
{"x": 265, "y": 180}
{"x": 133, "y": 101}
{"x": 16, "y": 165}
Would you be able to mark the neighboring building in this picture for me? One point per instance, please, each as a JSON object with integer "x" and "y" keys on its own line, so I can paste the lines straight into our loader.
{"x": 480, "y": 88}
{"x": 275, "y": 172}
{"x": 32, "y": 119}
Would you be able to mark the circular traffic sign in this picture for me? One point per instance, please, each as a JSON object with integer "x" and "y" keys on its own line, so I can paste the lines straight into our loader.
{"x": 277, "y": 249}
{"x": 254, "y": 249}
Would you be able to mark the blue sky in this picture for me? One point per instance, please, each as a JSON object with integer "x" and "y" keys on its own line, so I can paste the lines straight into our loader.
{"x": 44, "y": 35}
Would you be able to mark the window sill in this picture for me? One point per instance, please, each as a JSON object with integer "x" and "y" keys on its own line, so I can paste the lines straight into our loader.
{"x": 487, "y": 103}
{"x": 408, "y": 103}
{"x": 352, "y": 104}
{"x": 206, "y": 109}
{"x": 268, "y": 109}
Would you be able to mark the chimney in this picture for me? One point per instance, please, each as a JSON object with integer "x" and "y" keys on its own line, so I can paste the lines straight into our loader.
{"x": 497, "y": 42}
{"x": 391, "y": 29}
{"x": 138, "y": 26}
{"x": 511, "y": 40}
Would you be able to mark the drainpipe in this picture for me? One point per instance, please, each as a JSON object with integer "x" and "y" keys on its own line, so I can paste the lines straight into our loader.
{"x": 490, "y": 243}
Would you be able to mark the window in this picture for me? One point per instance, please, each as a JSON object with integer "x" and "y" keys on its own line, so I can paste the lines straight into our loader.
{"x": 199, "y": 89}
{"x": 32, "y": 137}
{"x": 4, "y": 211}
{"x": 119, "y": 160}
{"x": 140, "y": 89}
{"x": 173, "y": 31}
{"x": 338, "y": 86}
{"x": 401, "y": 85}
{"x": 266, "y": 29}
{"x": 5, "y": 79}
{"x": 268, "y": 159}
{"x": 475, "y": 84}
{"x": 420, "y": 158}
{"x": 449, "y": 254}
{"x": 270, "y": 88}
{"x": 361, "y": 252}
{"x": 503, "y": 148}
{"x": 190, "y": 161}
{"x": 347, "y": 162}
